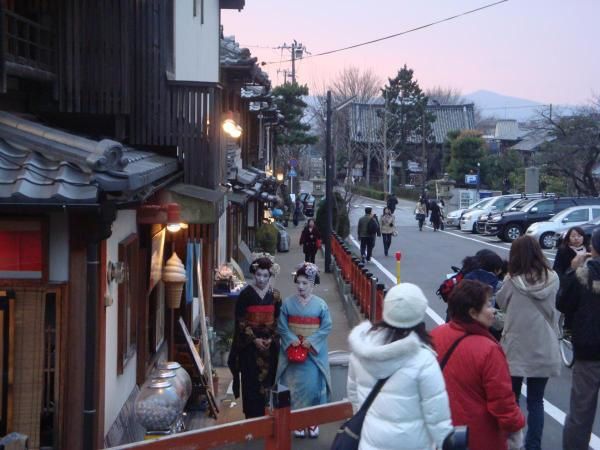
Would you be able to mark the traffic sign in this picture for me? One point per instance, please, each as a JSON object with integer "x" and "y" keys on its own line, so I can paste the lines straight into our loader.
{"x": 471, "y": 179}
{"x": 292, "y": 173}
{"x": 293, "y": 163}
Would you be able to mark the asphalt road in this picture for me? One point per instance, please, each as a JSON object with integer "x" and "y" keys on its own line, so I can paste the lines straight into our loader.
{"x": 426, "y": 258}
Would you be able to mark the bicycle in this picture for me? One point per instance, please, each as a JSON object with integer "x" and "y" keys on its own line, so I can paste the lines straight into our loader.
{"x": 565, "y": 343}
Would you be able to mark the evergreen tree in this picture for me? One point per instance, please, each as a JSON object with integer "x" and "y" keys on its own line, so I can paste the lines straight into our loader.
{"x": 466, "y": 150}
{"x": 406, "y": 115}
{"x": 292, "y": 133}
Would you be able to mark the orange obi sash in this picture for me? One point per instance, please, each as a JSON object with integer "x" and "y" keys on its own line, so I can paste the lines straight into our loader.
{"x": 304, "y": 326}
{"x": 260, "y": 315}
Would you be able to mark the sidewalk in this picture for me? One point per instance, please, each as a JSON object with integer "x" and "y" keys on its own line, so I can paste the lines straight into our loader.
{"x": 231, "y": 409}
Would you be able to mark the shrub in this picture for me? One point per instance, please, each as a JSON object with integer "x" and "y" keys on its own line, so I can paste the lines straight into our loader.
{"x": 368, "y": 192}
{"x": 341, "y": 221}
{"x": 266, "y": 238}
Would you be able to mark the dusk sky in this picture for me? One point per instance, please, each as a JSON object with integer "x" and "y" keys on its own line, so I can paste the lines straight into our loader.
{"x": 542, "y": 50}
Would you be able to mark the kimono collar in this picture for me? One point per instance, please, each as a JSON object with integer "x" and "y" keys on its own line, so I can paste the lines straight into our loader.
{"x": 303, "y": 301}
{"x": 261, "y": 293}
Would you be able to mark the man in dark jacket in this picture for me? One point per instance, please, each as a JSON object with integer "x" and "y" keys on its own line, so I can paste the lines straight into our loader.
{"x": 368, "y": 227}
{"x": 580, "y": 296}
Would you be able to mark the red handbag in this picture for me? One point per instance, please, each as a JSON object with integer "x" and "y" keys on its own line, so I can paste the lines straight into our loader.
{"x": 319, "y": 243}
{"x": 297, "y": 354}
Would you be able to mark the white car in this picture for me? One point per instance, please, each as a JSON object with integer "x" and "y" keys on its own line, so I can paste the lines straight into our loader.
{"x": 570, "y": 217}
{"x": 452, "y": 219}
{"x": 468, "y": 220}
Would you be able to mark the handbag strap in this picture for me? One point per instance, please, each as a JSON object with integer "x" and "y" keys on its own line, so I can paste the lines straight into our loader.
{"x": 446, "y": 357}
{"x": 371, "y": 397}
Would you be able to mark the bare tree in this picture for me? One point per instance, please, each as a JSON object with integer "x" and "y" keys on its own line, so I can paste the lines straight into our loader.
{"x": 350, "y": 81}
{"x": 445, "y": 95}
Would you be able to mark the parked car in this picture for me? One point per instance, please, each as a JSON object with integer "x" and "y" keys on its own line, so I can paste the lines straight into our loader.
{"x": 452, "y": 219}
{"x": 588, "y": 230}
{"x": 571, "y": 217}
{"x": 283, "y": 238}
{"x": 308, "y": 203}
{"x": 508, "y": 226}
{"x": 516, "y": 203}
{"x": 468, "y": 221}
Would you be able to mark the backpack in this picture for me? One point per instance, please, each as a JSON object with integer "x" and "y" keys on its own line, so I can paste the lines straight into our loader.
{"x": 448, "y": 285}
{"x": 373, "y": 227}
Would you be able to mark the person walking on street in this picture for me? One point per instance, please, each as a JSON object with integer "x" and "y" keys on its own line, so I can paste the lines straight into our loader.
{"x": 368, "y": 227}
{"x": 476, "y": 371}
{"x": 388, "y": 229}
{"x": 391, "y": 203}
{"x": 436, "y": 215}
{"x": 310, "y": 240}
{"x": 297, "y": 211}
{"x": 579, "y": 296}
{"x": 530, "y": 335}
{"x": 442, "y": 206}
{"x": 421, "y": 212}
{"x": 411, "y": 410}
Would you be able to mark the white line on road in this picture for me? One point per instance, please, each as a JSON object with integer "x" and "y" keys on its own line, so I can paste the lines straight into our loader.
{"x": 550, "y": 409}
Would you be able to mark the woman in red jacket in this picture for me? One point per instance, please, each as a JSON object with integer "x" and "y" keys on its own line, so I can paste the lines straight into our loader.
{"x": 476, "y": 372}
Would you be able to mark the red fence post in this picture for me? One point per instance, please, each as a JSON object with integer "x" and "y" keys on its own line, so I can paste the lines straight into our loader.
{"x": 379, "y": 302}
{"x": 280, "y": 410}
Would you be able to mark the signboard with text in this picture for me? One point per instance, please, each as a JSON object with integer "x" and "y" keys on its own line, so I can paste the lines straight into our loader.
{"x": 470, "y": 179}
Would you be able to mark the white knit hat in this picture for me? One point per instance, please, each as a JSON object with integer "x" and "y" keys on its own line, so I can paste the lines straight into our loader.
{"x": 404, "y": 306}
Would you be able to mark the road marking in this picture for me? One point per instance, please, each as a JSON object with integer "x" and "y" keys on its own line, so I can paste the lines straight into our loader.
{"x": 550, "y": 409}
{"x": 430, "y": 312}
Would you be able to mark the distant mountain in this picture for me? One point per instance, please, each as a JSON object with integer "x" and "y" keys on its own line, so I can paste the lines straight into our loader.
{"x": 504, "y": 107}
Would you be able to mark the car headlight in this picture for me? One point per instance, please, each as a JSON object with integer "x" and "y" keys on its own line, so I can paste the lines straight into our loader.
{"x": 496, "y": 219}
{"x": 483, "y": 217}
{"x": 467, "y": 216}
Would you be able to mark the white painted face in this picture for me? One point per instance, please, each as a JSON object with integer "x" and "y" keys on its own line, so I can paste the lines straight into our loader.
{"x": 304, "y": 286}
{"x": 261, "y": 278}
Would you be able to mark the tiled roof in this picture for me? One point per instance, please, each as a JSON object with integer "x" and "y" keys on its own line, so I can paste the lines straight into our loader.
{"x": 532, "y": 141}
{"x": 508, "y": 130}
{"x": 366, "y": 123}
{"x": 232, "y": 56}
{"x": 39, "y": 164}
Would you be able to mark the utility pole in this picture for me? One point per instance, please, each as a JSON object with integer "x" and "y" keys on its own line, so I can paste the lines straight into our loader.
{"x": 424, "y": 151}
{"x": 368, "y": 176}
{"x": 385, "y": 147}
{"x": 297, "y": 51}
{"x": 328, "y": 186}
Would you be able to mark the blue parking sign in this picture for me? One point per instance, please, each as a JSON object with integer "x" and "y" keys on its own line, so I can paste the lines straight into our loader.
{"x": 470, "y": 179}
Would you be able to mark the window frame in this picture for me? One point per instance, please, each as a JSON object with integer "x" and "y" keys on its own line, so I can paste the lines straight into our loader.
{"x": 45, "y": 251}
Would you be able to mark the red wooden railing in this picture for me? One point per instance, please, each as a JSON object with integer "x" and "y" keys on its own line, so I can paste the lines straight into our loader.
{"x": 364, "y": 287}
{"x": 275, "y": 428}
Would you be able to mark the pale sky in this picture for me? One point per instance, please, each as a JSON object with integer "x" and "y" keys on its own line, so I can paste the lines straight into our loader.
{"x": 542, "y": 50}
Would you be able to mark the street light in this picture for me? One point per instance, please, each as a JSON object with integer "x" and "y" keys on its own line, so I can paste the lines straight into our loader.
{"x": 478, "y": 174}
{"x": 329, "y": 161}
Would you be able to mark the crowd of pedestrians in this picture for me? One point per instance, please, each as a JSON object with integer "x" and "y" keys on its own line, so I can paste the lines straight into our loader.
{"x": 501, "y": 332}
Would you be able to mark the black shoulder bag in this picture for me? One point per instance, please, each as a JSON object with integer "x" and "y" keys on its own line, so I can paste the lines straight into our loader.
{"x": 446, "y": 357}
{"x": 348, "y": 436}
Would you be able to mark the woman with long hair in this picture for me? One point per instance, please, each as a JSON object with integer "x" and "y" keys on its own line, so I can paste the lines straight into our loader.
{"x": 411, "y": 410}
{"x": 421, "y": 211}
{"x": 530, "y": 335}
{"x": 573, "y": 244}
{"x": 309, "y": 240}
{"x": 476, "y": 370}
{"x": 388, "y": 228}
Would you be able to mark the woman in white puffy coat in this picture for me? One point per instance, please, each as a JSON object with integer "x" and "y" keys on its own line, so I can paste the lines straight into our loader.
{"x": 411, "y": 412}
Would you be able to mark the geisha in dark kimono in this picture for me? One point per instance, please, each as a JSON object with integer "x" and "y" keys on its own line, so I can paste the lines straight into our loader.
{"x": 255, "y": 345}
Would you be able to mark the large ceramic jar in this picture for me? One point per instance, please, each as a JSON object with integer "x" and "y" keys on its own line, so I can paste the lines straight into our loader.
{"x": 157, "y": 405}
{"x": 171, "y": 376}
{"x": 181, "y": 374}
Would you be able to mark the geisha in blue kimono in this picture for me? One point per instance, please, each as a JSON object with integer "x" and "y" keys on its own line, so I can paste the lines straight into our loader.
{"x": 304, "y": 320}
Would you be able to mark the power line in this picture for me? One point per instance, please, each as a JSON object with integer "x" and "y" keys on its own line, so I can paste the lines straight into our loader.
{"x": 329, "y": 52}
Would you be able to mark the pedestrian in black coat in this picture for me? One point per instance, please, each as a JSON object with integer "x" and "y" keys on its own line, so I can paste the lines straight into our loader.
{"x": 436, "y": 215}
{"x": 392, "y": 201}
{"x": 573, "y": 243}
{"x": 310, "y": 240}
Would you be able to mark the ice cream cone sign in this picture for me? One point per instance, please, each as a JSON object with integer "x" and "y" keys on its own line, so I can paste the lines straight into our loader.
{"x": 174, "y": 277}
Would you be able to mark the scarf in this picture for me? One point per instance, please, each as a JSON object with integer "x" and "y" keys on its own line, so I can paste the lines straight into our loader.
{"x": 579, "y": 249}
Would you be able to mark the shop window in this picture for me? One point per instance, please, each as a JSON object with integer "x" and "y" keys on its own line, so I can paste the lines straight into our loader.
{"x": 21, "y": 249}
{"x": 128, "y": 290}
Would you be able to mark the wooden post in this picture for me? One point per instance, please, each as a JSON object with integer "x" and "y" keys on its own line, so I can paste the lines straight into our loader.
{"x": 280, "y": 410}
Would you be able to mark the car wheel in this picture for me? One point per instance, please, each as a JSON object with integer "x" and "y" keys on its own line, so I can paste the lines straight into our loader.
{"x": 547, "y": 240}
{"x": 512, "y": 232}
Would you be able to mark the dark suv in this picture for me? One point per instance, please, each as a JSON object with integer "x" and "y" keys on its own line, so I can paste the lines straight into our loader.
{"x": 508, "y": 226}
